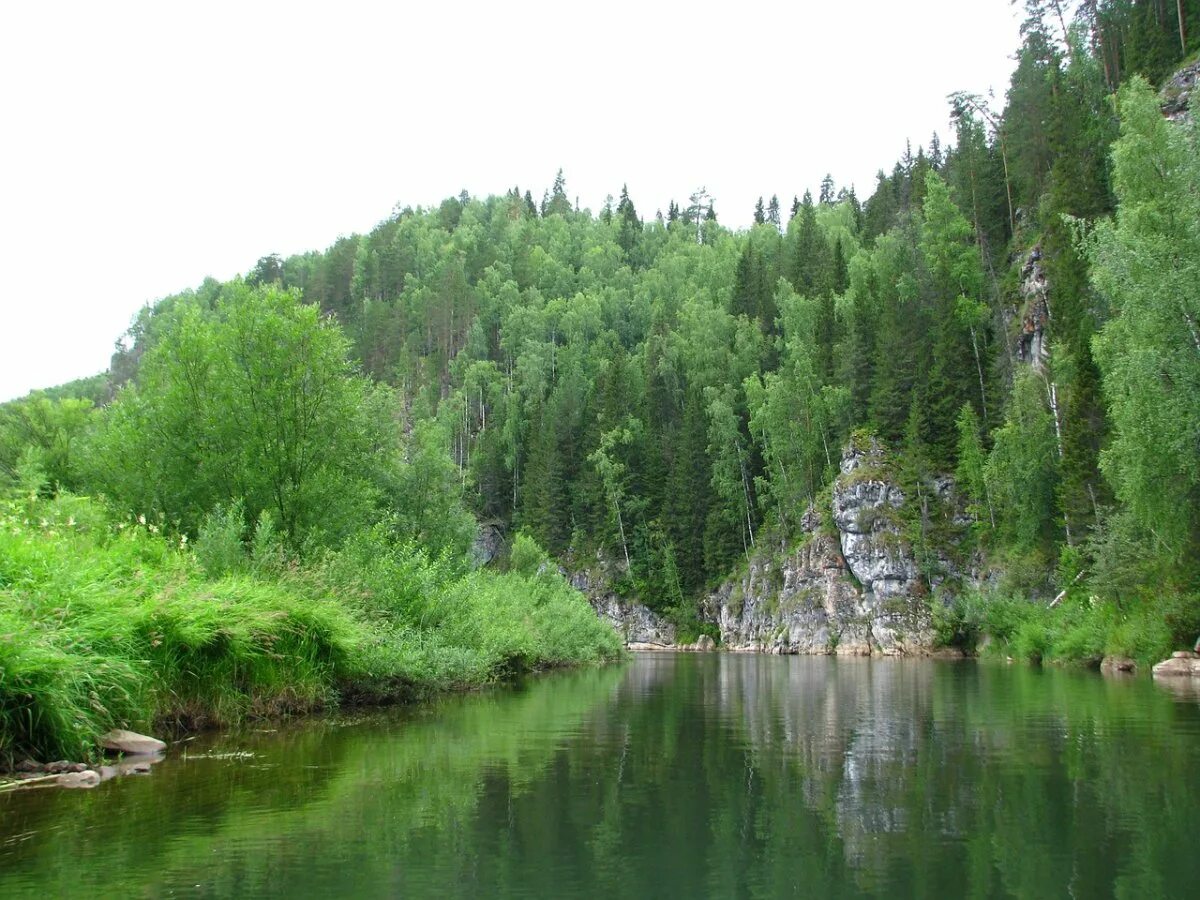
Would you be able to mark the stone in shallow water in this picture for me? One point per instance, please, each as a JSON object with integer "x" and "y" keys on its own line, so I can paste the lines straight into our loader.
{"x": 1179, "y": 666}
{"x": 1112, "y": 664}
{"x": 84, "y": 779}
{"x": 121, "y": 741}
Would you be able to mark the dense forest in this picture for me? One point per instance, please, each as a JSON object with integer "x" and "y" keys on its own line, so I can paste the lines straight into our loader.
{"x": 1013, "y": 304}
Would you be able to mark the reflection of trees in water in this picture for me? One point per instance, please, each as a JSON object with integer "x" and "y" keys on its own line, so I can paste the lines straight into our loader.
{"x": 717, "y": 775}
{"x": 1010, "y": 779}
{"x": 314, "y": 806}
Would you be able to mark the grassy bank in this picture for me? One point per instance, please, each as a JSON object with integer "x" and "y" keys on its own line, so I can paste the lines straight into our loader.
{"x": 1082, "y": 630}
{"x": 109, "y": 623}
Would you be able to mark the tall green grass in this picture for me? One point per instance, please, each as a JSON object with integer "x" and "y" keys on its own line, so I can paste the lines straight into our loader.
{"x": 106, "y": 624}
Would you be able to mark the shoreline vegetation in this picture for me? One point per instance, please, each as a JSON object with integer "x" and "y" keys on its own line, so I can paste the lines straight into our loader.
{"x": 106, "y": 622}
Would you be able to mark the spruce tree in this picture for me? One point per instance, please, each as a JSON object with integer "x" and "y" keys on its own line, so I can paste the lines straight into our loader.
{"x": 773, "y": 211}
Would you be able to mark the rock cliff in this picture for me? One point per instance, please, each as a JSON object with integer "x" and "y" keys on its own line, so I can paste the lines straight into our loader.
{"x": 1177, "y": 92}
{"x": 640, "y": 626}
{"x": 852, "y": 588}
{"x": 849, "y": 585}
{"x": 1031, "y": 345}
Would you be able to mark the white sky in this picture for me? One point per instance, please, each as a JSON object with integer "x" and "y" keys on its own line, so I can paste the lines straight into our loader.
{"x": 145, "y": 146}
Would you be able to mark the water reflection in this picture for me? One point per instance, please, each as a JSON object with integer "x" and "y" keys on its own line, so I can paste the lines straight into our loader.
{"x": 707, "y": 775}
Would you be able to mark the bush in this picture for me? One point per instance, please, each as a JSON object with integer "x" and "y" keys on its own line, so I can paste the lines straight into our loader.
{"x": 219, "y": 545}
{"x": 527, "y": 556}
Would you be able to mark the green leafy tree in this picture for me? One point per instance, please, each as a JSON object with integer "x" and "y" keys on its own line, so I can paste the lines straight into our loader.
{"x": 258, "y": 402}
{"x": 1147, "y": 263}
{"x": 1022, "y": 469}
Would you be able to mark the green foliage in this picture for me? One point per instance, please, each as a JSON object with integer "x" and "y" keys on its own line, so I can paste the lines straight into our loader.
{"x": 1022, "y": 468}
{"x": 526, "y": 558}
{"x": 971, "y": 473}
{"x": 1082, "y": 631}
{"x": 256, "y": 400}
{"x": 50, "y": 429}
{"x": 219, "y": 547}
{"x": 424, "y": 489}
{"x": 105, "y": 625}
{"x": 674, "y": 391}
{"x": 1147, "y": 263}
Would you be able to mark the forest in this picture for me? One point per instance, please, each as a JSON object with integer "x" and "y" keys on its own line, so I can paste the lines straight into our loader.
{"x": 1013, "y": 304}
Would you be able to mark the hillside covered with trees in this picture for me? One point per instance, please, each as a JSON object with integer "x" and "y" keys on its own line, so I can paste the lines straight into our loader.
{"x": 1014, "y": 304}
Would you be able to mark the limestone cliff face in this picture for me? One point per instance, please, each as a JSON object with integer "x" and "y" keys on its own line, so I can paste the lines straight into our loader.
{"x": 1177, "y": 92}
{"x": 639, "y": 625}
{"x": 804, "y": 602}
{"x": 1031, "y": 345}
{"x": 853, "y": 590}
{"x": 849, "y": 585}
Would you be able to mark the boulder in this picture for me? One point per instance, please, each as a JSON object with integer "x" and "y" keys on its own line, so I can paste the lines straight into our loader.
{"x": 706, "y": 643}
{"x": 1114, "y": 664}
{"x": 130, "y": 742}
{"x": 1180, "y": 665}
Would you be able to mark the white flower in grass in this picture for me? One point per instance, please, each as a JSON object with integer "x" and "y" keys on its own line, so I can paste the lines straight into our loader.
{"x": 141, "y": 520}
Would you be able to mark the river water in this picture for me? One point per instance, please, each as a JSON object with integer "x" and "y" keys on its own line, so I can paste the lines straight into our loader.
{"x": 673, "y": 775}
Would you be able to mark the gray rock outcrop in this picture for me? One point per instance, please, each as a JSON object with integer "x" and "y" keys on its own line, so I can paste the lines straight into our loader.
{"x": 639, "y": 626}
{"x": 1031, "y": 346}
{"x": 853, "y": 590}
{"x": 130, "y": 742}
{"x": 1177, "y": 92}
{"x": 848, "y": 586}
{"x": 804, "y": 602}
{"x": 489, "y": 540}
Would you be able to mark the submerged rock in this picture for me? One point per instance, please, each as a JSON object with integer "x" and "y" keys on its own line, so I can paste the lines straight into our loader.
{"x": 85, "y": 779}
{"x": 130, "y": 742}
{"x": 62, "y": 766}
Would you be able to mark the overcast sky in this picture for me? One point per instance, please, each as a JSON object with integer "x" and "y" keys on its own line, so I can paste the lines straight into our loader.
{"x": 145, "y": 146}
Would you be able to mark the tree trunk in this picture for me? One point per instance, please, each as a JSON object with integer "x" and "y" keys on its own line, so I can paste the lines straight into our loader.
{"x": 979, "y": 369}
{"x": 1052, "y": 393}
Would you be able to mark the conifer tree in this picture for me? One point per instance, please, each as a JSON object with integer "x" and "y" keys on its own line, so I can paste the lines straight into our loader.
{"x": 773, "y": 211}
{"x": 828, "y": 191}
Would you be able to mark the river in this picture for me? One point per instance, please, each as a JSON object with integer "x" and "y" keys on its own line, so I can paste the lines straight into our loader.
{"x": 673, "y": 775}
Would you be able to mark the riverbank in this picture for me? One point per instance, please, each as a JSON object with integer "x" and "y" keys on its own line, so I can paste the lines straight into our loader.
{"x": 109, "y": 623}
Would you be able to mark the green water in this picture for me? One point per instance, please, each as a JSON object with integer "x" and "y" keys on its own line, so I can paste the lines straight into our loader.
{"x": 670, "y": 776}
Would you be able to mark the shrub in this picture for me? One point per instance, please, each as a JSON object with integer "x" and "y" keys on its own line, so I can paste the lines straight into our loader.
{"x": 219, "y": 546}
